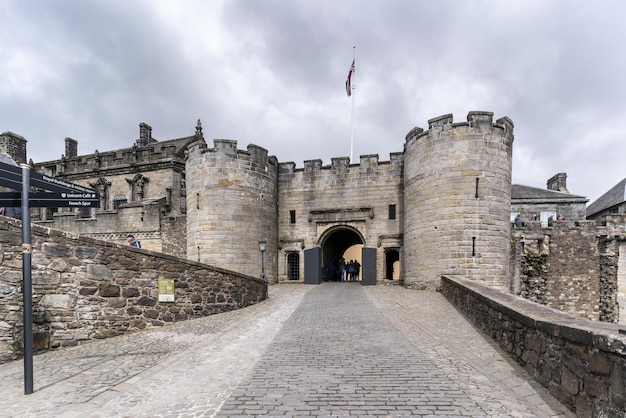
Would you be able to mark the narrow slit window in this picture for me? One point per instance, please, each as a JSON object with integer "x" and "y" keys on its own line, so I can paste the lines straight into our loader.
{"x": 392, "y": 211}
{"x": 292, "y": 216}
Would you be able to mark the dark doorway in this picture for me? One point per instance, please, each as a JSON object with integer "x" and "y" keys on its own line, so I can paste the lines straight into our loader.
{"x": 392, "y": 264}
{"x": 293, "y": 266}
{"x": 340, "y": 242}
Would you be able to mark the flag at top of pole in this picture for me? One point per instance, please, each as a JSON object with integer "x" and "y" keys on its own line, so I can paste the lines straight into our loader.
{"x": 349, "y": 80}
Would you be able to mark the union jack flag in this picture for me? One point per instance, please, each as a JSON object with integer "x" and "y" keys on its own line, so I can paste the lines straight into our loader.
{"x": 349, "y": 80}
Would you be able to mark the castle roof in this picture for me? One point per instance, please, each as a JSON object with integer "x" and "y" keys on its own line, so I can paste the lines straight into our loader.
{"x": 534, "y": 194}
{"x": 613, "y": 197}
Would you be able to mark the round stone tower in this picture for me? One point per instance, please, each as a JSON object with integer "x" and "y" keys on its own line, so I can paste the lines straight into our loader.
{"x": 457, "y": 200}
{"x": 232, "y": 203}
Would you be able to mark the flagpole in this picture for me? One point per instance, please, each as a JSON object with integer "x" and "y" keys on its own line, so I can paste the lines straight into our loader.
{"x": 352, "y": 87}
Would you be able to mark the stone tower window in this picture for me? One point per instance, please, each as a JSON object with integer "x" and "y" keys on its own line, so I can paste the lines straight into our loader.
{"x": 292, "y": 216}
{"x": 392, "y": 211}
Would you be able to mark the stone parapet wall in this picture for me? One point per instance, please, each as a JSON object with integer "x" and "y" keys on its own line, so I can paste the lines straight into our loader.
{"x": 581, "y": 362}
{"x": 86, "y": 289}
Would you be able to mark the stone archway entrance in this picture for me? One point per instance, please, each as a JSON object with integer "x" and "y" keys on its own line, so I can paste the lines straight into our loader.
{"x": 340, "y": 242}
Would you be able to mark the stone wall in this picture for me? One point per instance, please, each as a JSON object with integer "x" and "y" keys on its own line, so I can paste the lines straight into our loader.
{"x": 570, "y": 267}
{"x": 581, "y": 362}
{"x": 86, "y": 289}
{"x": 150, "y": 222}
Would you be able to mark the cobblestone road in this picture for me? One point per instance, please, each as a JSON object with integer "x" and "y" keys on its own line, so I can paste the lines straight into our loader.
{"x": 337, "y": 349}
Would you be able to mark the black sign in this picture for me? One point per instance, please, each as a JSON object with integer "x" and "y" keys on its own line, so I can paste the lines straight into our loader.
{"x": 60, "y": 193}
{"x": 50, "y": 200}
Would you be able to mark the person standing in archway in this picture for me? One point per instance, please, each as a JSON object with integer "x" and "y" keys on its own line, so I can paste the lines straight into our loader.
{"x": 351, "y": 270}
{"x": 342, "y": 269}
{"x": 331, "y": 270}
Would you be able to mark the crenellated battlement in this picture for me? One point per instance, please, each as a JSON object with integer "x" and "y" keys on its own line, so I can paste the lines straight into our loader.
{"x": 342, "y": 164}
{"x": 478, "y": 122}
{"x": 257, "y": 156}
{"x": 111, "y": 160}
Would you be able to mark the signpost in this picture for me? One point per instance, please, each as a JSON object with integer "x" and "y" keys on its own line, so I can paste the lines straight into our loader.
{"x": 58, "y": 193}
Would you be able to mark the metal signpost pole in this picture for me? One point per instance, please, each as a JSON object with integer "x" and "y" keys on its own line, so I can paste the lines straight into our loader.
{"x": 27, "y": 287}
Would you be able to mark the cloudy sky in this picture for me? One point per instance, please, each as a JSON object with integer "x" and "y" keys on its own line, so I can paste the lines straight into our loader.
{"x": 273, "y": 72}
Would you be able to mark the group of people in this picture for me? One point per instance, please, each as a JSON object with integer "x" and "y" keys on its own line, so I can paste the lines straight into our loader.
{"x": 342, "y": 271}
{"x": 517, "y": 222}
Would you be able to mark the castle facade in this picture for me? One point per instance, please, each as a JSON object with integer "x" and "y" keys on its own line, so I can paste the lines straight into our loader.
{"x": 442, "y": 206}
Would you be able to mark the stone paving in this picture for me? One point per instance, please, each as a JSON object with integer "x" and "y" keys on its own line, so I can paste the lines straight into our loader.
{"x": 337, "y": 349}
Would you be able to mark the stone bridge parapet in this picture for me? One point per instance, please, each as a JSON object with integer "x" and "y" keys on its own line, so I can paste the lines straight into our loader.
{"x": 581, "y": 362}
{"x": 86, "y": 289}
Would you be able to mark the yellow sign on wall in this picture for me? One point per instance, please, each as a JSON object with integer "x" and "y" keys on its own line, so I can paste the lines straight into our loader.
{"x": 166, "y": 290}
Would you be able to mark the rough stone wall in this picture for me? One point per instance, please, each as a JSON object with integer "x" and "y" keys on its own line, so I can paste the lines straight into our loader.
{"x": 570, "y": 268}
{"x": 86, "y": 289}
{"x": 232, "y": 203}
{"x": 457, "y": 190}
{"x": 355, "y": 196}
{"x": 609, "y": 250}
{"x": 174, "y": 235}
{"x": 621, "y": 283}
{"x": 574, "y": 284}
{"x": 582, "y": 363}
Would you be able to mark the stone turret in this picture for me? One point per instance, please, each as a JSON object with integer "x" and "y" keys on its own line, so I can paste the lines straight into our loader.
{"x": 457, "y": 199}
{"x": 232, "y": 203}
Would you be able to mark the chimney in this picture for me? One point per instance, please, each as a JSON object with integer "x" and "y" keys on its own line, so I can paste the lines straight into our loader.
{"x": 71, "y": 148}
{"x": 145, "y": 134}
{"x": 14, "y": 146}
{"x": 558, "y": 182}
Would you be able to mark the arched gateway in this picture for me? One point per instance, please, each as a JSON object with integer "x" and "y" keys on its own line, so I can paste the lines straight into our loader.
{"x": 338, "y": 247}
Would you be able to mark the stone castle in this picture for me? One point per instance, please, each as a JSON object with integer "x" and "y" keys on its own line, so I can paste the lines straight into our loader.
{"x": 436, "y": 215}
{"x": 442, "y": 206}
{"x": 439, "y": 207}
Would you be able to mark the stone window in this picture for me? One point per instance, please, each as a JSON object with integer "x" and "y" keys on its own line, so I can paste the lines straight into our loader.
{"x": 84, "y": 213}
{"x": 118, "y": 201}
{"x": 392, "y": 211}
{"x": 49, "y": 213}
{"x": 292, "y": 216}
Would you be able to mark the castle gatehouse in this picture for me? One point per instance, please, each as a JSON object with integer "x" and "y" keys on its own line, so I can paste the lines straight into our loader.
{"x": 442, "y": 206}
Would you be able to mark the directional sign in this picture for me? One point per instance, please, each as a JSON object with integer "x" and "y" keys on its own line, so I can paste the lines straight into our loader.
{"x": 51, "y": 200}
{"x": 60, "y": 193}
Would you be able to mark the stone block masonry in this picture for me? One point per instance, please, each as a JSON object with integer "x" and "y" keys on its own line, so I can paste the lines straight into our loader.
{"x": 581, "y": 362}
{"x": 86, "y": 289}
